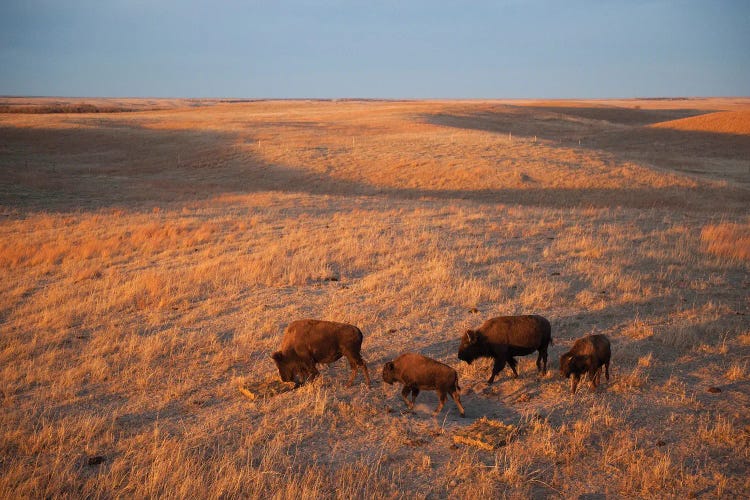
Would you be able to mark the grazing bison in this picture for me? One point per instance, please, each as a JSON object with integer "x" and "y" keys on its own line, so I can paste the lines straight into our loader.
{"x": 419, "y": 372}
{"x": 587, "y": 355}
{"x": 503, "y": 337}
{"x": 308, "y": 342}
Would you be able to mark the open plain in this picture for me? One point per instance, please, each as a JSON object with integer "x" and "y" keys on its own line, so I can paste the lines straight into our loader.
{"x": 153, "y": 251}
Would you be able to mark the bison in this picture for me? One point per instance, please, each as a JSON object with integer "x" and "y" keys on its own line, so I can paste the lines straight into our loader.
{"x": 419, "y": 372}
{"x": 503, "y": 337}
{"x": 587, "y": 355}
{"x": 308, "y": 342}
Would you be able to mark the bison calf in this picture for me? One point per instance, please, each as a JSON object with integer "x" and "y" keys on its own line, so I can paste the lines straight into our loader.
{"x": 419, "y": 372}
{"x": 587, "y": 355}
{"x": 308, "y": 342}
{"x": 503, "y": 337}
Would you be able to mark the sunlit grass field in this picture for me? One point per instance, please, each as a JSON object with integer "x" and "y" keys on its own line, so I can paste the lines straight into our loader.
{"x": 152, "y": 254}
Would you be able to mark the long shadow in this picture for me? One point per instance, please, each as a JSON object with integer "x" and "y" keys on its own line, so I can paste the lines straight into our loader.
{"x": 617, "y": 131}
{"x": 553, "y": 122}
{"x": 127, "y": 166}
{"x": 667, "y": 362}
{"x": 118, "y": 165}
{"x": 672, "y": 347}
{"x": 621, "y": 116}
{"x": 668, "y": 344}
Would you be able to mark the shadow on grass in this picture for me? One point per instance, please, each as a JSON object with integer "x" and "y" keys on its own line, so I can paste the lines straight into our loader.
{"x": 130, "y": 167}
{"x": 621, "y": 132}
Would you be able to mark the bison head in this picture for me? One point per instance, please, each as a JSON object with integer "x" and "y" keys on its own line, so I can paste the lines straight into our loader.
{"x": 565, "y": 365}
{"x": 471, "y": 346}
{"x": 389, "y": 373}
{"x": 570, "y": 364}
{"x": 290, "y": 368}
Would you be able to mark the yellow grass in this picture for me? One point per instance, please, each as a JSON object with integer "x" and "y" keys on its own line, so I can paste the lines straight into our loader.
{"x": 151, "y": 260}
{"x": 724, "y": 122}
{"x": 727, "y": 239}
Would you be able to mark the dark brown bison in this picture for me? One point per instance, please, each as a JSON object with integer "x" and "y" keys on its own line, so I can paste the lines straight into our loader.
{"x": 419, "y": 372}
{"x": 587, "y": 355}
{"x": 308, "y": 342}
{"x": 503, "y": 337}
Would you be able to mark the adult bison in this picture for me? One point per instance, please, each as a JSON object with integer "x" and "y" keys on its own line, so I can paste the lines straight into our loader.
{"x": 308, "y": 342}
{"x": 503, "y": 337}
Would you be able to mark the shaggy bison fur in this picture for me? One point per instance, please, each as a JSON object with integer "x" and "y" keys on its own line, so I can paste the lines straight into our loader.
{"x": 503, "y": 337}
{"x": 419, "y": 372}
{"x": 587, "y": 355}
{"x": 308, "y": 342}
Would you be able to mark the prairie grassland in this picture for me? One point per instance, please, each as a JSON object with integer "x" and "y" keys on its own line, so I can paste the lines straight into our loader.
{"x": 152, "y": 259}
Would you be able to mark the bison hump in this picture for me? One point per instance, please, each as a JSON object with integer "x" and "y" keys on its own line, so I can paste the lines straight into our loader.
{"x": 528, "y": 331}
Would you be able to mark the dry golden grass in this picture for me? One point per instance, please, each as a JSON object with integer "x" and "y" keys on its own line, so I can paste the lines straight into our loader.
{"x": 723, "y": 122}
{"x": 152, "y": 259}
{"x": 727, "y": 239}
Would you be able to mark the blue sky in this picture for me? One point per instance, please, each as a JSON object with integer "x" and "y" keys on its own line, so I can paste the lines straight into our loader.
{"x": 387, "y": 49}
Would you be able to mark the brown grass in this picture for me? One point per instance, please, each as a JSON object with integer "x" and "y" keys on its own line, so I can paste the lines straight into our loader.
{"x": 151, "y": 261}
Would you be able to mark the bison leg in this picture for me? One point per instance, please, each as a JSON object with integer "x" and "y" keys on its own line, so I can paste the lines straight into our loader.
{"x": 355, "y": 363}
{"x": 353, "y": 366}
{"x": 541, "y": 361}
{"x": 414, "y": 393}
{"x": 442, "y": 396}
{"x": 574, "y": 382}
{"x": 306, "y": 373}
{"x": 513, "y": 363}
{"x": 405, "y": 392}
{"x": 594, "y": 376}
{"x": 457, "y": 400}
{"x": 606, "y": 370}
{"x": 363, "y": 365}
{"x": 313, "y": 372}
{"x": 496, "y": 368}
